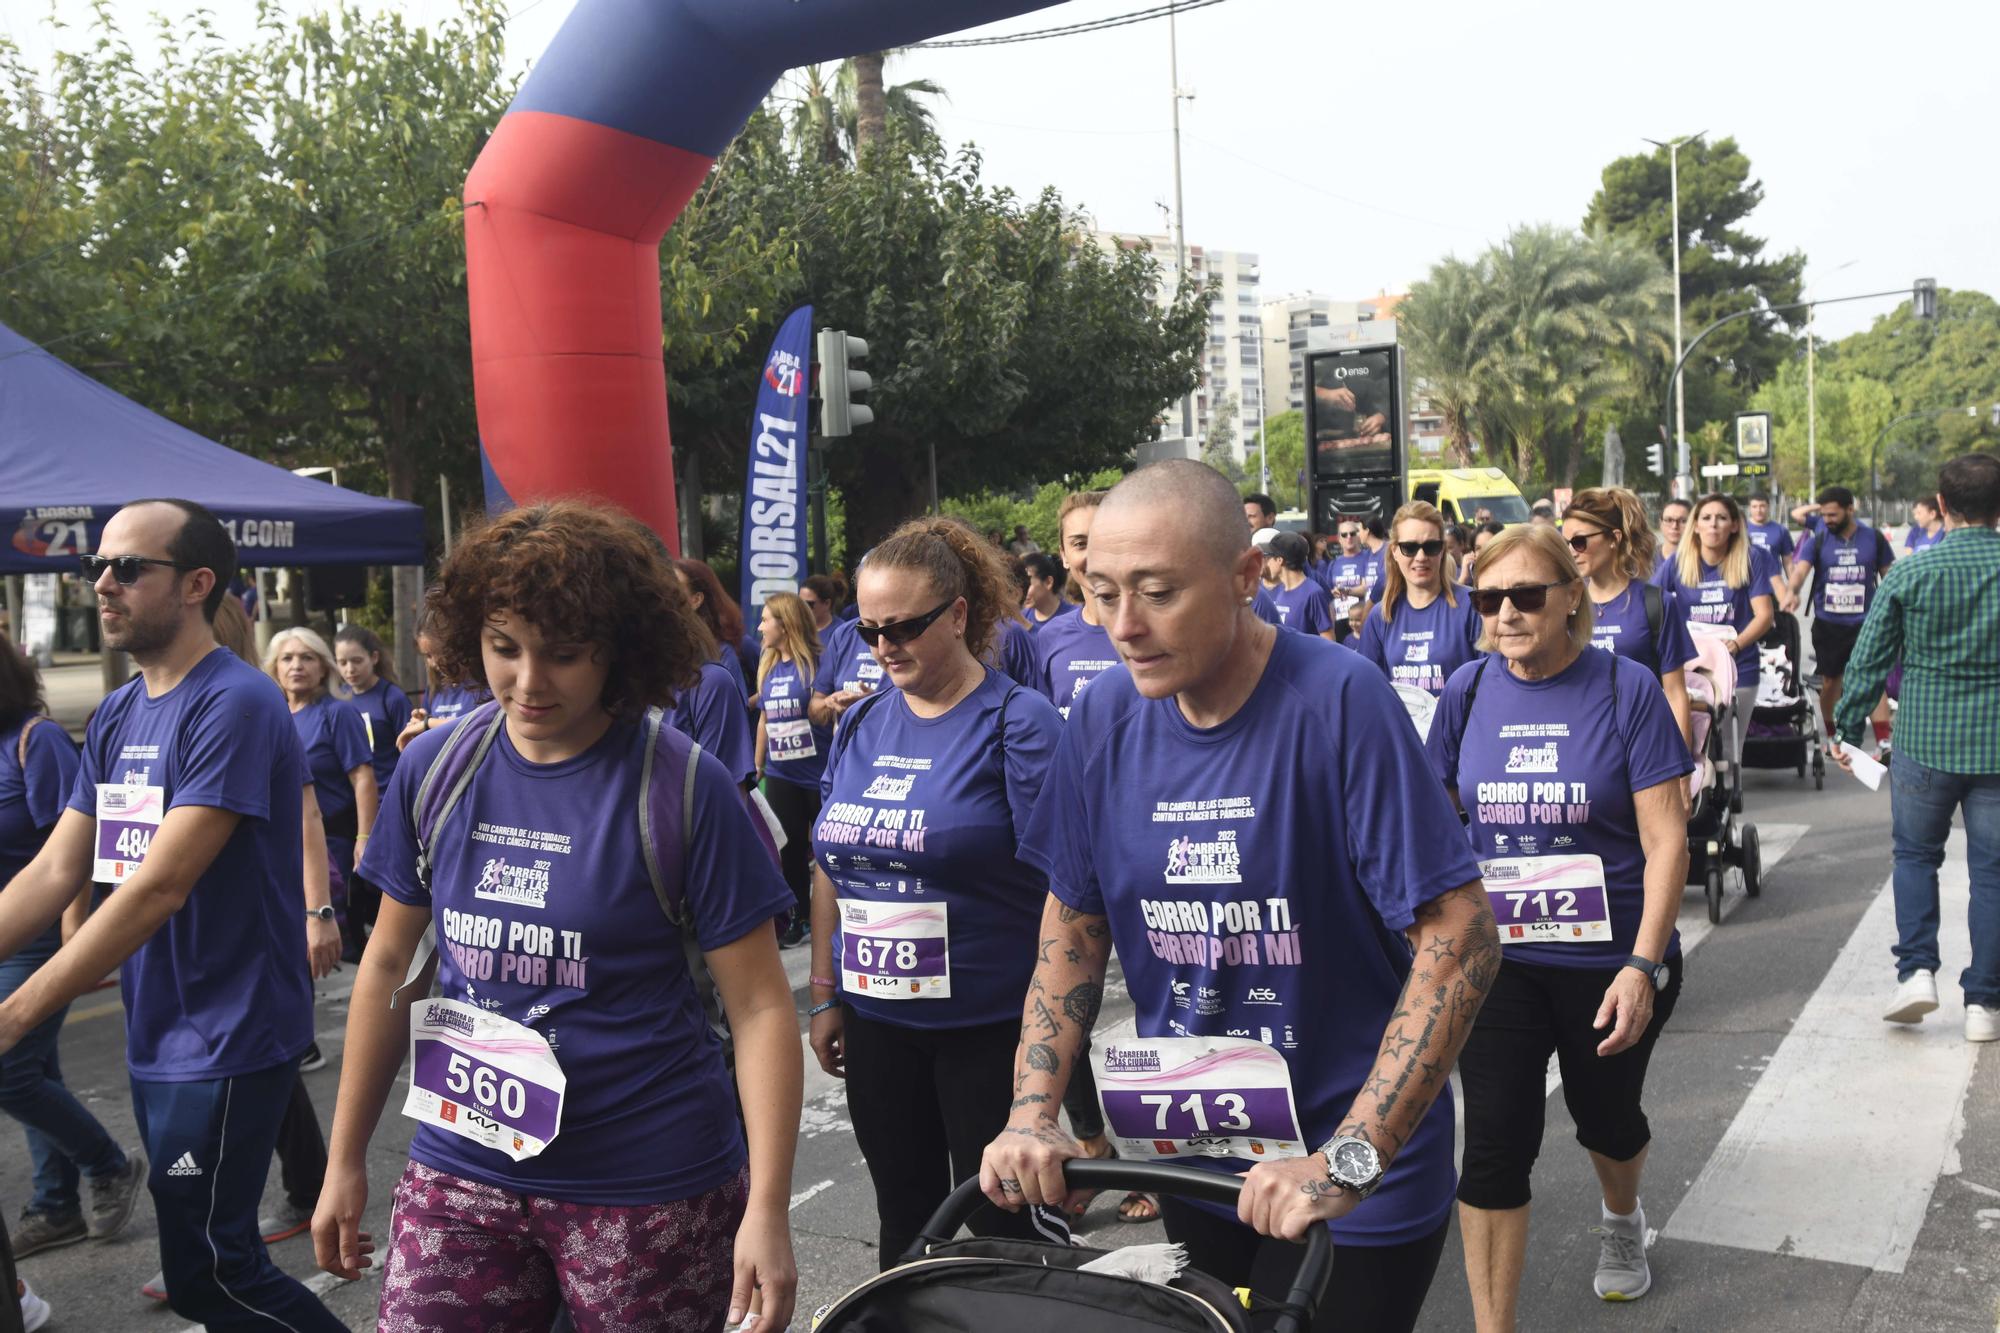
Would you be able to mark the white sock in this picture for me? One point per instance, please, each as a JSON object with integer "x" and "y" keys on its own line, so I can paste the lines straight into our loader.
{"x": 1636, "y": 1217}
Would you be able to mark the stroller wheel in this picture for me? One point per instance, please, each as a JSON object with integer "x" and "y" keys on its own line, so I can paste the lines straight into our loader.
{"x": 1819, "y": 777}
{"x": 1712, "y": 887}
{"x": 1751, "y": 859}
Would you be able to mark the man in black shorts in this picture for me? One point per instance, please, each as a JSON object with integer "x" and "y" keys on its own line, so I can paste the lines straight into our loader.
{"x": 1846, "y": 558}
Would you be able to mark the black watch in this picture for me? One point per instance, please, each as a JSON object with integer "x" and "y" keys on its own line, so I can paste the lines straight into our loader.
{"x": 1657, "y": 971}
{"x": 323, "y": 913}
{"x": 1353, "y": 1164}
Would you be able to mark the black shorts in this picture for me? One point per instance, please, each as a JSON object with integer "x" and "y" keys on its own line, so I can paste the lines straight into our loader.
{"x": 1833, "y": 644}
{"x": 1535, "y": 1010}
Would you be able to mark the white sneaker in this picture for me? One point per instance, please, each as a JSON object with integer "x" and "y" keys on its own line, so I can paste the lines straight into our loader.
{"x": 34, "y": 1310}
{"x": 1916, "y": 995}
{"x": 1981, "y": 1023}
{"x": 1622, "y": 1271}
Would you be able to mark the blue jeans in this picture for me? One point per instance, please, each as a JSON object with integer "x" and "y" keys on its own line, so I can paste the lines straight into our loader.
{"x": 64, "y": 1139}
{"x": 1921, "y": 809}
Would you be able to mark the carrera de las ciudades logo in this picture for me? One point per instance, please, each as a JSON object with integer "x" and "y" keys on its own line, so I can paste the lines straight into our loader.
{"x": 1216, "y": 862}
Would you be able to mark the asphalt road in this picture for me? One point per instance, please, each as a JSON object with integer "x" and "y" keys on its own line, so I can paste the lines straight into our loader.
{"x": 1812, "y": 1168}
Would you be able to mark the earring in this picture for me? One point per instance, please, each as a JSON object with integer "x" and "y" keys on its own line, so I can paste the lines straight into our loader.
{"x": 1249, "y": 601}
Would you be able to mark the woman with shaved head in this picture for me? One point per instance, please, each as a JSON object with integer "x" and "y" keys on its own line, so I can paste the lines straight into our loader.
{"x": 1302, "y": 983}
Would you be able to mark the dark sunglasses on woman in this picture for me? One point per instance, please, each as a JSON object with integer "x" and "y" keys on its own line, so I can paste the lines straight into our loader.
{"x": 901, "y": 632}
{"x": 1411, "y": 550}
{"x": 1524, "y": 596}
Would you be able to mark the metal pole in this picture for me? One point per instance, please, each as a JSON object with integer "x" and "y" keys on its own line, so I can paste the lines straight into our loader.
{"x": 1812, "y": 411}
{"x": 1680, "y": 397}
{"x": 444, "y": 501}
{"x": 816, "y": 483}
{"x": 934, "y": 495}
{"x": 1180, "y": 229}
{"x": 1263, "y": 416}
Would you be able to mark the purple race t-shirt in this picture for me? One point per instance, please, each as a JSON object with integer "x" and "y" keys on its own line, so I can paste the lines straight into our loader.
{"x": 1238, "y": 908}
{"x": 1014, "y": 651}
{"x": 448, "y": 703}
{"x": 1621, "y": 628}
{"x": 545, "y": 913}
{"x": 1845, "y": 572}
{"x": 1303, "y": 609}
{"x": 1264, "y": 608}
{"x": 1068, "y": 656}
{"x": 222, "y": 988}
{"x": 918, "y": 811}
{"x": 1371, "y": 571}
{"x": 336, "y": 743}
{"x": 31, "y": 801}
{"x": 386, "y": 711}
{"x": 1713, "y": 602}
{"x": 715, "y": 712}
{"x": 846, "y": 662}
{"x": 798, "y": 756}
{"x": 1773, "y": 537}
{"x": 1346, "y": 571}
{"x": 1548, "y": 767}
{"x": 1916, "y": 539}
{"x": 1422, "y": 647}
{"x": 1037, "y": 621}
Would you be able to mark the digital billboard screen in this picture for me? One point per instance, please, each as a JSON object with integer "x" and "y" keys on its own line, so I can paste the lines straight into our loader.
{"x": 1354, "y": 413}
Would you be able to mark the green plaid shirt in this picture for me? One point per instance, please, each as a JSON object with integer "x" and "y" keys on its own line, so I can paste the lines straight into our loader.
{"x": 1940, "y": 612}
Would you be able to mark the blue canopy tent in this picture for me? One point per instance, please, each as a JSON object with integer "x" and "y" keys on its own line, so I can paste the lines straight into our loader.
{"x": 73, "y": 451}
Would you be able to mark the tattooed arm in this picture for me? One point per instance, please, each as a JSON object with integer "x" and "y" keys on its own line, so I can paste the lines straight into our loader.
{"x": 1024, "y": 1165}
{"x": 1457, "y": 958}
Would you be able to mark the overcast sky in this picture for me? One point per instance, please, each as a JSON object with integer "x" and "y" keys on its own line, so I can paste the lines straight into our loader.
{"x": 1352, "y": 145}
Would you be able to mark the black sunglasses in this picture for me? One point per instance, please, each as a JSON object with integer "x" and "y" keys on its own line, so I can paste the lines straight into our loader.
{"x": 1412, "y": 550}
{"x": 1581, "y": 542}
{"x": 1350, "y": 532}
{"x": 125, "y": 568}
{"x": 1525, "y": 597}
{"x": 902, "y": 631}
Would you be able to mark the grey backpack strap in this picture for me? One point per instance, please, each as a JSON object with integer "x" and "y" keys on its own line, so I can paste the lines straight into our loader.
{"x": 426, "y": 824}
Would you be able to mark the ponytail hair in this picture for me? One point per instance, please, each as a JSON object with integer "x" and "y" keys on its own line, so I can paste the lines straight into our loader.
{"x": 958, "y": 563}
{"x": 1621, "y": 514}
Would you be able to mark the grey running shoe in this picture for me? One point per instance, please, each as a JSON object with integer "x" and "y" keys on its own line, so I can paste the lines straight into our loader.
{"x": 35, "y": 1232}
{"x": 112, "y": 1197}
{"x": 314, "y": 1060}
{"x": 1622, "y": 1271}
{"x": 284, "y": 1222}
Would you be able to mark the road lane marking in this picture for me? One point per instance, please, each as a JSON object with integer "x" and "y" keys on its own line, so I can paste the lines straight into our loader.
{"x": 1836, "y": 1152}
{"x": 808, "y": 1193}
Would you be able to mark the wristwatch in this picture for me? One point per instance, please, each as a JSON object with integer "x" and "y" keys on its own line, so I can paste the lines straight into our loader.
{"x": 323, "y": 913}
{"x": 1353, "y": 1164}
{"x": 1657, "y": 971}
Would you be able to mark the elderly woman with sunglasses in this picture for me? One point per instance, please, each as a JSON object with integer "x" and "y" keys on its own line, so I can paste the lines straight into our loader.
{"x": 1570, "y": 773}
{"x": 925, "y": 923}
{"x": 1423, "y": 629}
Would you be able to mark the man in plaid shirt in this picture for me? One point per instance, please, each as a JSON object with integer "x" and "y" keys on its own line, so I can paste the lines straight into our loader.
{"x": 1940, "y": 613}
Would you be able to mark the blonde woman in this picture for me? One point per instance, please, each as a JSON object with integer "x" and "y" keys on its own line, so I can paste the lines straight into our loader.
{"x": 791, "y": 749}
{"x": 335, "y": 740}
{"x": 1721, "y": 579}
{"x": 1424, "y": 628}
{"x": 1613, "y": 546}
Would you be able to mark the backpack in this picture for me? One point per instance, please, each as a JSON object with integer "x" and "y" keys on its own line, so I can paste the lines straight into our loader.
{"x": 1651, "y": 595}
{"x": 663, "y": 822}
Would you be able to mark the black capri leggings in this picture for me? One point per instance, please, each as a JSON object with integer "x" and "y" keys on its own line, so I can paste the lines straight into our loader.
{"x": 796, "y": 808}
{"x": 1532, "y": 1011}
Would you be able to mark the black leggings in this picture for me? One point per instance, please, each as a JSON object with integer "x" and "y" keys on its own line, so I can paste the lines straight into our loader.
{"x": 925, "y": 1103}
{"x": 1377, "y": 1288}
{"x": 301, "y": 1149}
{"x": 1532, "y": 1011}
{"x": 796, "y": 808}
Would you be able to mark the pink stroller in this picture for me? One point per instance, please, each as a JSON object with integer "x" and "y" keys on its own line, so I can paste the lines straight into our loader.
{"x": 1716, "y": 838}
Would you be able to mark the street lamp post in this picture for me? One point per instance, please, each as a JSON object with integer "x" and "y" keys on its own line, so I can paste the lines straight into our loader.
{"x": 1681, "y": 474}
{"x": 1180, "y": 229}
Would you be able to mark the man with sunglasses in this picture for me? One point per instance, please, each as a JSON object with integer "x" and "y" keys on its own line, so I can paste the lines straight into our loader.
{"x": 188, "y": 802}
{"x": 1172, "y": 829}
{"x": 1347, "y": 572}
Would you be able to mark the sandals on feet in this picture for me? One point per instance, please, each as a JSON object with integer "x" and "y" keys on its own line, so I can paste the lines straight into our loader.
{"x": 1138, "y": 1207}
{"x": 1080, "y": 1200}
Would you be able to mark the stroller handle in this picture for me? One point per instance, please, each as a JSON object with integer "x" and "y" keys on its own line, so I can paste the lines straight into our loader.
{"x": 1315, "y": 1268}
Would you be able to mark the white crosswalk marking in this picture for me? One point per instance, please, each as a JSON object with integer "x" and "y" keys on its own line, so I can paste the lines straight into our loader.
{"x": 1837, "y": 1150}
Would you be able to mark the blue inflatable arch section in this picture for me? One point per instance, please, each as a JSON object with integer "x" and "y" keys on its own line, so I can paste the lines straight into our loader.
{"x": 608, "y": 139}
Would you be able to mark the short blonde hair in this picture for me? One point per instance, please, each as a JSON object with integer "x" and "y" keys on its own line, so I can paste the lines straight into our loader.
{"x": 314, "y": 645}
{"x": 1544, "y": 543}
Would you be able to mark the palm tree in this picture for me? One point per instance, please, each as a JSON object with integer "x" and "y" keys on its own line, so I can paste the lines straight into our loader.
{"x": 1435, "y": 322}
{"x": 837, "y": 111}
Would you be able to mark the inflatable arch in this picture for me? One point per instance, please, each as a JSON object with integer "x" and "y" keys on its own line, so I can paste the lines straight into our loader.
{"x": 606, "y": 142}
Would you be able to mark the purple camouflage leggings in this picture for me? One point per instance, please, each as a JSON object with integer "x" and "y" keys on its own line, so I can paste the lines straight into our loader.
{"x": 471, "y": 1258}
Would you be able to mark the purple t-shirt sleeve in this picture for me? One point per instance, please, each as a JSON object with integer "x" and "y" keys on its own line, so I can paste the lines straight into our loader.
{"x": 1448, "y": 725}
{"x": 1033, "y": 729}
{"x": 348, "y": 735}
{"x": 1763, "y": 568}
{"x": 834, "y": 651}
{"x": 50, "y": 773}
{"x": 1655, "y": 752}
{"x": 1808, "y": 550}
{"x": 1393, "y": 808}
{"x": 732, "y": 884}
{"x": 1057, "y": 838}
{"x": 1315, "y": 617}
{"x": 390, "y": 861}
{"x": 713, "y": 713}
{"x": 1369, "y": 643}
{"x": 1674, "y": 644}
{"x": 225, "y": 761}
{"x": 1017, "y": 653}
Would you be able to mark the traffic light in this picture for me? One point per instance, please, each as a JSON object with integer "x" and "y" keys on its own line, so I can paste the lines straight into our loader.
{"x": 839, "y": 414}
{"x": 1923, "y": 298}
{"x": 1656, "y": 459}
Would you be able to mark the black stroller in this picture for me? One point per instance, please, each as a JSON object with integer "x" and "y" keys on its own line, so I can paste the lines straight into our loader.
{"x": 963, "y": 1285}
{"x": 1786, "y": 734}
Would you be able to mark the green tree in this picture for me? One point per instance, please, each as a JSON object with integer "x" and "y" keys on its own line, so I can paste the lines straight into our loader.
{"x": 1435, "y": 323}
{"x": 1284, "y": 439}
{"x": 1724, "y": 268}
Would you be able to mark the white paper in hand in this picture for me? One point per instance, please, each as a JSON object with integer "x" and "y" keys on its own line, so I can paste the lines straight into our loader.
{"x": 1866, "y": 768}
